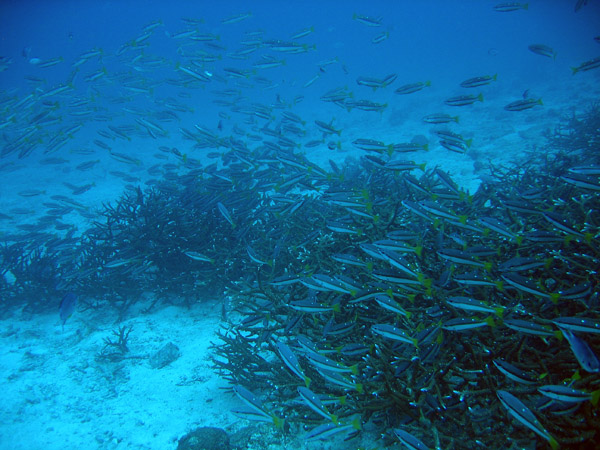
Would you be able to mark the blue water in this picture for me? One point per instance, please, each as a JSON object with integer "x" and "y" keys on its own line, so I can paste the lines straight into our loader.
{"x": 442, "y": 42}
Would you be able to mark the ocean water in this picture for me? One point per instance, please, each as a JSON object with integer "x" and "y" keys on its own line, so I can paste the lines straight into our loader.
{"x": 199, "y": 173}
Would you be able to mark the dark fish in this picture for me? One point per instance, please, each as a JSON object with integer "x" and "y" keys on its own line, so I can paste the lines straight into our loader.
{"x": 412, "y": 87}
{"x": 521, "y": 105}
{"x": 440, "y": 118}
{"x": 478, "y": 81}
{"x": 587, "y": 65}
{"x": 463, "y": 100}
{"x": 510, "y": 6}
{"x": 543, "y": 50}
{"x": 580, "y": 4}
{"x": 67, "y": 306}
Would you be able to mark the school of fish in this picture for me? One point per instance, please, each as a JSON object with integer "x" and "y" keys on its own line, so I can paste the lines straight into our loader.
{"x": 374, "y": 297}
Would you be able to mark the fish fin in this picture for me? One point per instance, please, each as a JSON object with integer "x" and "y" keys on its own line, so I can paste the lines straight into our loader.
{"x": 595, "y": 397}
{"x": 278, "y": 422}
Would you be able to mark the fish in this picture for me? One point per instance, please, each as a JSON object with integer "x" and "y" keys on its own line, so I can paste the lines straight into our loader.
{"x": 67, "y": 307}
{"x": 471, "y": 304}
{"x": 369, "y": 21}
{"x": 256, "y": 409}
{"x": 568, "y": 394}
{"x": 514, "y": 373}
{"x": 578, "y": 324}
{"x": 522, "y": 105}
{"x": 303, "y": 33}
{"x": 315, "y": 403}
{"x": 517, "y": 409}
{"x": 391, "y": 305}
{"x": 327, "y": 128}
{"x": 527, "y": 327}
{"x": 461, "y": 324}
{"x": 462, "y": 257}
{"x": 450, "y": 136}
{"x": 198, "y": 256}
{"x": 311, "y": 306}
{"x": 456, "y": 147}
{"x": 31, "y": 193}
{"x": 340, "y": 380}
{"x": 463, "y": 100}
{"x": 291, "y": 361}
{"x": 236, "y": 18}
{"x": 587, "y": 65}
{"x": 380, "y": 37}
{"x": 583, "y": 353}
{"x": 561, "y": 223}
{"x": 323, "y": 363}
{"x": 440, "y": 118}
{"x": 365, "y": 105}
{"x": 479, "y": 81}
{"x": 409, "y": 441}
{"x": 47, "y": 63}
{"x": 399, "y": 165}
{"x": 510, "y": 6}
{"x": 521, "y": 264}
{"x": 326, "y": 430}
{"x": 372, "y": 145}
{"x": 582, "y": 181}
{"x": 225, "y": 213}
{"x": 393, "y": 333}
{"x": 412, "y": 87}
{"x": 528, "y": 285}
{"x": 376, "y": 83}
{"x": 544, "y": 50}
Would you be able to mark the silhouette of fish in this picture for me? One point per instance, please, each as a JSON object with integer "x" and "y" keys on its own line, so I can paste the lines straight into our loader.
{"x": 67, "y": 306}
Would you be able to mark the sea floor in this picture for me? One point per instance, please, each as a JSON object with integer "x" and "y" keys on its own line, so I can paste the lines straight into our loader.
{"x": 59, "y": 393}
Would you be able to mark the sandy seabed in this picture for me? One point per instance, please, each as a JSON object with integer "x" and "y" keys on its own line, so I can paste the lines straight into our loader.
{"x": 58, "y": 394}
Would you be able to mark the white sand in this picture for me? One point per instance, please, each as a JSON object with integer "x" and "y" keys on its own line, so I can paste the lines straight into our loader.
{"x": 57, "y": 395}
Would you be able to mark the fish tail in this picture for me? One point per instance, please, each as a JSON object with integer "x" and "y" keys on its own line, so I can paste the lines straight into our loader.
{"x": 595, "y": 397}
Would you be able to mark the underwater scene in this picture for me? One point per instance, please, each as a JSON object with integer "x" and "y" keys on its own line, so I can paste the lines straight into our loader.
{"x": 299, "y": 224}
